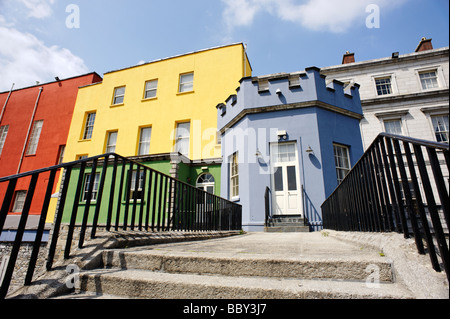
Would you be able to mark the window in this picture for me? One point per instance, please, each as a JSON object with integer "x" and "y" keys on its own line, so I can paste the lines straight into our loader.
{"x": 440, "y": 127}
{"x": 186, "y": 82}
{"x": 429, "y": 80}
{"x": 144, "y": 141}
{"x": 383, "y": 86}
{"x": 139, "y": 194}
{"x": 19, "y": 201}
{"x": 111, "y": 142}
{"x": 342, "y": 160}
{"x": 234, "y": 176}
{"x": 3, "y": 132}
{"x": 119, "y": 95}
{"x": 34, "y": 138}
{"x": 150, "y": 89}
{"x": 182, "y": 138}
{"x": 61, "y": 151}
{"x": 87, "y": 182}
{"x": 393, "y": 127}
{"x": 89, "y": 126}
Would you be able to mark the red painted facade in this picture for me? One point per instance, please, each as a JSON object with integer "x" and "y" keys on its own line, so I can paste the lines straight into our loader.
{"x": 53, "y": 103}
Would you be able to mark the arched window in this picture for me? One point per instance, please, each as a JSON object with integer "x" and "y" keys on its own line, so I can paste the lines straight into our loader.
{"x": 206, "y": 182}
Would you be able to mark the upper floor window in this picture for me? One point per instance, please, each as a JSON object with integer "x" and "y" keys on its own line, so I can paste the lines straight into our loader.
{"x": 429, "y": 80}
{"x": 3, "y": 132}
{"x": 342, "y": 160}
{"x": 34, "y": 138}
{"x": 151, "y": 88}
{"x": 384, "y": 86}
{"x": 89, "y": 126}
{"x": 119, "y": 95}
{"x": 440, "y": 127}
{"x": 186, "y": 82}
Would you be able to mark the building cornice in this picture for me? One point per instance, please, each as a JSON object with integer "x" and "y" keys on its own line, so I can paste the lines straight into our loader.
{"x": 444, "y": 52}
{"x": 284, "y": 107}
{"x": 406, "y": 97}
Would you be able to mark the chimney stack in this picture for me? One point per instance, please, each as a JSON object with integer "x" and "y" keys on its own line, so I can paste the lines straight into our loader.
{"x": 348, "y": 58}
{"x": 424, "y": 45}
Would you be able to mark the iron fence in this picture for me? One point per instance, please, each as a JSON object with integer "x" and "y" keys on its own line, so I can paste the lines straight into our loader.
{"x": 117, "y": 193}
{"x": 397, "y": 187}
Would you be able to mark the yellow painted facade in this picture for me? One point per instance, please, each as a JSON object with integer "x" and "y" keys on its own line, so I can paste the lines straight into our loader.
{"x": 216, "y": 75}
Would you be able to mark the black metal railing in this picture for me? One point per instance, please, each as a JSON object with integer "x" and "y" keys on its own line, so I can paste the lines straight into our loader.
{"x": 397, "y": 187}
{"x": 117, "y": 193}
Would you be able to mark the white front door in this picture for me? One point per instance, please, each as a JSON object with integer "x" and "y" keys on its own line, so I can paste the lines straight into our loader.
{"x": 286, "y": 189}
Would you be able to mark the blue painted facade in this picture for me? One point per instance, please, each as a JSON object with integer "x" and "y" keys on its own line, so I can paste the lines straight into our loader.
{"x": 300, "y": 109}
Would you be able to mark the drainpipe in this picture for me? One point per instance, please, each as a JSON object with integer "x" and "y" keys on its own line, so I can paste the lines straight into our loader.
{"x": 29, "y": 129}
{"x": 6, "y": 102}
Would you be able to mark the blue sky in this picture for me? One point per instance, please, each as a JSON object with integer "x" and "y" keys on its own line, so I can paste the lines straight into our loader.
{"x": 36, "y": 43}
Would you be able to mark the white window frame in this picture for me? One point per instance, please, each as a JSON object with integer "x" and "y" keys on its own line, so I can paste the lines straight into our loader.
{"x": 345, "y": 159}
{"x": 34, "y": 137}
{"x": 133, "y": 184}
{"x": 110, "y": 143}
{"x": 119, "y": 99}
{"x": 186, "y": 86}
{"x": 88, "y": 129}
{"x": 445, "y": 132}
{"x": 152, "y": 91}
{"x": 394, "y": 88}
{"x": 441, "y": 83}
{"x": 144, "y": 145}
{"x": 19, "y": 201}
{"x": 424, "y": 82}
{"x": 180, "y": 140}
{"x": 86, "y": 187}
{"x": 3, "y": 133}
{"x": 234, "y": 176}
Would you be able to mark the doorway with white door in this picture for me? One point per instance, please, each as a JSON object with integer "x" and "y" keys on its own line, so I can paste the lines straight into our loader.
{"x": 285, "y": 180}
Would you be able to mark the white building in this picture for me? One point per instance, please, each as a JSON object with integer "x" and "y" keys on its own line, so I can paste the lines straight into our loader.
{"x": 402, "y": 94}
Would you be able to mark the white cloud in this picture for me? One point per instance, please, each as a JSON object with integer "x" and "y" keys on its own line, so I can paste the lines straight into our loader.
{"x": 38, "y": 9}
{"x": 318, "y": 15}
{"x": 24, "y": 59}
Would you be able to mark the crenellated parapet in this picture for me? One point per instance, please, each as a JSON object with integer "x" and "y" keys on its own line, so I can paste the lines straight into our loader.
{"x": 283, "y": 91}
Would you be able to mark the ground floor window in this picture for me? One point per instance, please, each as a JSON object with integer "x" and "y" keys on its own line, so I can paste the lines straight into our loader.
{"x": 234, "y": 176}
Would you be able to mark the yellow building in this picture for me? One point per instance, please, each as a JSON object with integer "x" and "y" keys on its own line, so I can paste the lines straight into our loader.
{"x": 159, "y": 107}
{"x": 162, "y": 114}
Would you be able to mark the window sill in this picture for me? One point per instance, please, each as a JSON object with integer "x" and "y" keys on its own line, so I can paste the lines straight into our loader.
{"x": 149, "y": 99}
{"x": 185, "y": 93}
{"x": 117, "y": 105}
{"x": 84, "y": 141}
{"x": 235, "y": 199}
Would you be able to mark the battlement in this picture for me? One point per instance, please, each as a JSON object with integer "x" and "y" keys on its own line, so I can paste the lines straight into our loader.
{"x": 284, "y": 91}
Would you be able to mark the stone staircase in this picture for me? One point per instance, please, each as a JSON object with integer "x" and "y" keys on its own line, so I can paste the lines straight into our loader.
{"x": 284, "y": 224}
{"x": 201, "y": 271}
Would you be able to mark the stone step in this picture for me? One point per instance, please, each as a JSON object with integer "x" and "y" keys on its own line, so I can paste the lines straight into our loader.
{"x": 287, "y": 229}
{"x": 132, "y": 283}
{"x": 303, "y": 268}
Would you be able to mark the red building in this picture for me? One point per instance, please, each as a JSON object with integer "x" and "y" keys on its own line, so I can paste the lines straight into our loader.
{"x": 34, "y": 125}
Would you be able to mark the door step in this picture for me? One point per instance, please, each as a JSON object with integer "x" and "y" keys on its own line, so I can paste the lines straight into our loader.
{"x": 284, "y": 224}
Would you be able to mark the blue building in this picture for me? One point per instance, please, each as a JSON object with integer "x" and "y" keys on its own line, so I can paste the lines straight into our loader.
{"x": 293, "y": 134}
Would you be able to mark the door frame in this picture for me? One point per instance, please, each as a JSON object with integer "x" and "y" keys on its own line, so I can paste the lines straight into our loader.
{"x": 284, "y": 166}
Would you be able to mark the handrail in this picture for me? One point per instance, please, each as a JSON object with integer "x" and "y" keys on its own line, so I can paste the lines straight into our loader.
{"x": 395, "y": 188}
{"x": 155, "y": 202}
